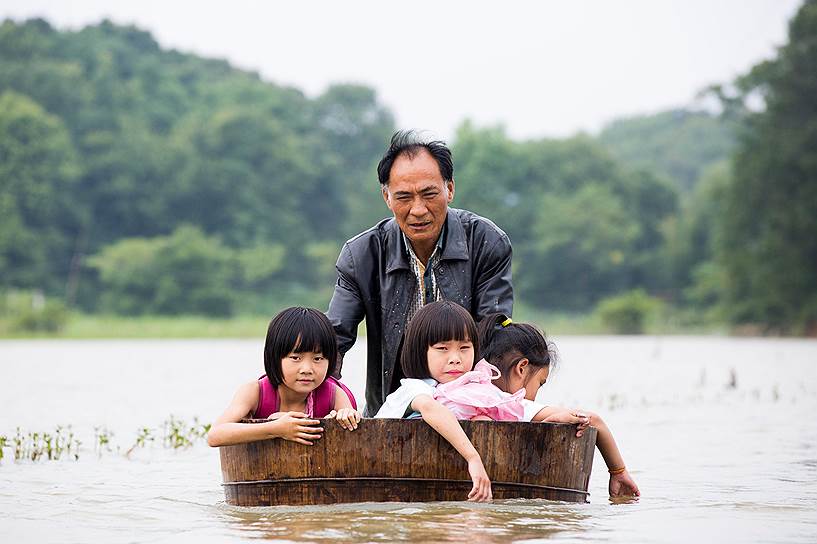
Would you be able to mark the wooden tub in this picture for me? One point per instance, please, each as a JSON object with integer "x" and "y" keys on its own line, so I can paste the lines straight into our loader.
{"x": 406, "y": 460}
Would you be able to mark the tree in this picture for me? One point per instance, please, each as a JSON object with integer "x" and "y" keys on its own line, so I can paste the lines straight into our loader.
{"x": 38, "y": 216}
{"x": 769, "y": 247}
{"x": 354, "y": 131}
{"x": 678, "y": 145}
{"x": 582, "y": 225}
{"x": 186, "y": 272}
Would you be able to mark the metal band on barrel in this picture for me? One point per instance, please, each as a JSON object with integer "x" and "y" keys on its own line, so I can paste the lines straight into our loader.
{"x": 380, "y": 479}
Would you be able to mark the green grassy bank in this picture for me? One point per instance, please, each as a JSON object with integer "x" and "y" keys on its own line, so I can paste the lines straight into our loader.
{"x": 84, "y": 326}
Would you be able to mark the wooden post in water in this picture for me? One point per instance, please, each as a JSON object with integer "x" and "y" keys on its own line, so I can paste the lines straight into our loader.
{"x": 406, "y": 460}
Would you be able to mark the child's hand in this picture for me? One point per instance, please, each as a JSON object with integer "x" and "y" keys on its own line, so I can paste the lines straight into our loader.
{"x": 482, "y": 484}
{"x": 575, "y": 417}
{"x": 623, "y": 485}
{"x": 347, "y": 417}
{"x": 297, "y": 427}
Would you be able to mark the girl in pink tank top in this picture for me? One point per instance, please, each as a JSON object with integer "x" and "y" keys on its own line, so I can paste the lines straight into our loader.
{"x": 300, "y": 354}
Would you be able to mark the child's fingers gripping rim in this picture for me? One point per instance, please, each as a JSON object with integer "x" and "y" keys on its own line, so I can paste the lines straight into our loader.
{"x": 309, "y": 421}
{"x": 309, "y": 429}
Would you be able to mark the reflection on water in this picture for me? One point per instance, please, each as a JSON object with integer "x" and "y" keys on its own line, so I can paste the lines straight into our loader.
{"x": 440, "y": 522}
{"x": 720, "y": 435}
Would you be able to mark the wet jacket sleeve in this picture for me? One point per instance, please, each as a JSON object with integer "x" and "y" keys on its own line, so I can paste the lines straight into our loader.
{"x": 493, "y": 290}
{"x": 346, "y": 309}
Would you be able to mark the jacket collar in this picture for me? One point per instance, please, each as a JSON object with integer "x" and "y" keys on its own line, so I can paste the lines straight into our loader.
{"x": 455, "y": 248}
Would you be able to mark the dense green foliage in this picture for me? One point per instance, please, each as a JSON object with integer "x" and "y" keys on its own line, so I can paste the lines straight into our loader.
{"x": 679, "y": 144}
{"x": 582, "y": 225}
{"x": 768, "y": 250}
{"x": 138, "y": 180}
{"x": 105, "y": 136}
{"x": 628, "y": 312}
{"x": 186, "y": 272}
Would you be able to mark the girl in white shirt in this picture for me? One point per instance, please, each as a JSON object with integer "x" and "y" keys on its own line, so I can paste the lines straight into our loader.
{"x": 439, "y": 347}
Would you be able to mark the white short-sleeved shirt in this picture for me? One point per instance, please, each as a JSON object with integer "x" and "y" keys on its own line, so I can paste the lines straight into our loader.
{"x": 398, "y": 404}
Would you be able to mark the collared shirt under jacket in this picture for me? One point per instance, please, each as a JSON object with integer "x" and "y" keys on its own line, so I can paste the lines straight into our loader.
{"x": 375, "y": 281}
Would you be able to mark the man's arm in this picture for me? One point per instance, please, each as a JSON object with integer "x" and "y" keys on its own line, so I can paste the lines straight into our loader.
{"x": 346, "y": 309}
{"x": 493, "y": 291}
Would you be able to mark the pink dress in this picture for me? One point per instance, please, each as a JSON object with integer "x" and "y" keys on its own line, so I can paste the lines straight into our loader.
{"x": 473, "y": 394}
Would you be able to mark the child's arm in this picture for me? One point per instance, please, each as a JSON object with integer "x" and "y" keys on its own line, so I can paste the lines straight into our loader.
{"x": 444, "y": 422}
{"x": 554, "y": 414}
{"x": 347, "y": 416}
{"x": 621, "y": 483}
{"x": 226, "y": 430}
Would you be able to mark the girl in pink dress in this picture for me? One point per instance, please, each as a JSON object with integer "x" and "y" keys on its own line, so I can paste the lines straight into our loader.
{"x": 438, "y": 360}
{"x": 524, "y": 357}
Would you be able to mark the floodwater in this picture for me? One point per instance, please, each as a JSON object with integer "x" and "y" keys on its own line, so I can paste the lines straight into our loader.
{"x": 720, "y": 435}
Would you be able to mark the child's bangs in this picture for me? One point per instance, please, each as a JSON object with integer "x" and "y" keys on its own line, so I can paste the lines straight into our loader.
{"x": 314, "y": 336}
{"x": 453, "y": 327}
{"x": 449, "y": 321}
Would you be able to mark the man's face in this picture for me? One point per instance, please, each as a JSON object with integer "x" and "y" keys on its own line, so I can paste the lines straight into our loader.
{"x": 418, "y": 197}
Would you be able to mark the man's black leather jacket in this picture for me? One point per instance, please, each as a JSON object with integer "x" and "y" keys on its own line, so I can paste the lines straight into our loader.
{"x": 375, "y": 282}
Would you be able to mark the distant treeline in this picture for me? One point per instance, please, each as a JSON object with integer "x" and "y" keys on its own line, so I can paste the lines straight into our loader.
{"x": 140, "y": 180}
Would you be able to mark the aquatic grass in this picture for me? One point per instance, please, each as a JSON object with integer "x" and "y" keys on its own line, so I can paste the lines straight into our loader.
{"x": 62, "y": 443}
{"x": 143, "y": 436}
{"x": 36, "y": 446}
{"x": 102, "y": 440}
{"x": 179, "y": 435}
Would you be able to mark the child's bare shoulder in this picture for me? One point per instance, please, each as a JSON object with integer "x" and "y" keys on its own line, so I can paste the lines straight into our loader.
{"x": 249, "y": 391}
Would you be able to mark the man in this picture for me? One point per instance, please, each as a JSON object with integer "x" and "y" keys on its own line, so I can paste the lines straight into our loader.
{"x": 426, "y": 252}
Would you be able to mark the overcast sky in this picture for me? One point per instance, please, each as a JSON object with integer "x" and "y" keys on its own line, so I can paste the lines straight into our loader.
{"x": 540, "y": 68}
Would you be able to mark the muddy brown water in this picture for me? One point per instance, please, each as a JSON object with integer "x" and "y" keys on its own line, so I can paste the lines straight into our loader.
{"x": 719, "y": 433}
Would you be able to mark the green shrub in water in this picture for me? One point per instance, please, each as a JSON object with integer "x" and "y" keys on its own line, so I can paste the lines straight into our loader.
{"x": 627, "y": 313}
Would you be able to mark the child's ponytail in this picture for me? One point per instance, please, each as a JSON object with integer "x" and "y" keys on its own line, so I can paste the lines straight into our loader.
{"x": 502, "y": 340}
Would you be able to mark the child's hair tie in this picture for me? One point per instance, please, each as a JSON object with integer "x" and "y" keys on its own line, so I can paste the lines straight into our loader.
{"x": 507, "y": 322}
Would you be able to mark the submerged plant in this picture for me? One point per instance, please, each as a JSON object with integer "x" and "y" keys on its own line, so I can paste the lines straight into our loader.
{"x": 143, "y": 436}
{"x": 42, "y": 445}
{"x": 62, "y": 443}
{"x": 180, "y": 435}
{"x": 102, "y": 439}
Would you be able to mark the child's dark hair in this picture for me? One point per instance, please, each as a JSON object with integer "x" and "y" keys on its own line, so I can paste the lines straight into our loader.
{"x": 504, "y": 343}
{"x": 296, "y": 330}
{"x": 435, "y": 322}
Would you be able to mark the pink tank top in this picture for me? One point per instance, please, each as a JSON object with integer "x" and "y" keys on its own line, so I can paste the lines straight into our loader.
{"x": 319, "y": 403}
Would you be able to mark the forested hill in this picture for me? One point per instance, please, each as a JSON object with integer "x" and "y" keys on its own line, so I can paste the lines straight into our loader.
{"x": 680, "y": 144}
{"x": 138, "y": 180}
{"x": 108, "y": 136}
